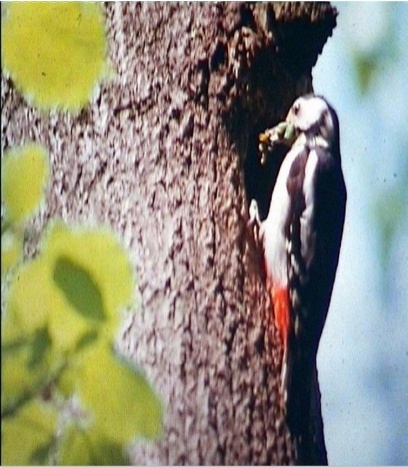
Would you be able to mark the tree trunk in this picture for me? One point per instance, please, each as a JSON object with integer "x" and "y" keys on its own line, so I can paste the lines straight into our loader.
{"x": 167, "y": 156}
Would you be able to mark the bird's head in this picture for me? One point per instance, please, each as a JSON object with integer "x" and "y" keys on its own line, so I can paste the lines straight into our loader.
{"x": 313, "y": 116}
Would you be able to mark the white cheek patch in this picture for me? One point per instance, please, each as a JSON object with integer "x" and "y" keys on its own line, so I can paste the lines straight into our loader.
{"x": 312, "y": 111}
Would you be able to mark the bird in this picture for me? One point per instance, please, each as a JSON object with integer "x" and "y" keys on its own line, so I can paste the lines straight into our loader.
{"x": 301, "y": 240}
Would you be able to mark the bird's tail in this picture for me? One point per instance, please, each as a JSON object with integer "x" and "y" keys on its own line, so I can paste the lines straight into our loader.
{"x": 303, "y": 412}
{"x": 296, "y": 383}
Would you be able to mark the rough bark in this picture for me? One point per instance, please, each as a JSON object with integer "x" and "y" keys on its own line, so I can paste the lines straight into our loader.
{"x": 166, "y": 154}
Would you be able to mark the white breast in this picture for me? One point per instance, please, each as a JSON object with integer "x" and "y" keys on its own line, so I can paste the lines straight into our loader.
{"x": 276, "y": 244}
{"x": 273, "y": 228}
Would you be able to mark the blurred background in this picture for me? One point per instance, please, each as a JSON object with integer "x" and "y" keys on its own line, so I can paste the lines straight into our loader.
{"x": 363, "y": 355}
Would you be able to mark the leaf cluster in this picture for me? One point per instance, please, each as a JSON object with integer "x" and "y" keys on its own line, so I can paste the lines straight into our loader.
{"x": 66, "y": 396}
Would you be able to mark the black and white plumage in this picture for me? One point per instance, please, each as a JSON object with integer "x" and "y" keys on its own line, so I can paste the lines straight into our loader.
{"x": 301, "y": 239}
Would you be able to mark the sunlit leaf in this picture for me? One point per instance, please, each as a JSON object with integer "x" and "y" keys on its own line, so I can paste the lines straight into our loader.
{"x": 87, "y": 339}
{"x": 89, "y": 447}
{"x": 67, "y": 382}
{"x": 107, "y": 265}
{"x": 26, "y": 366}
{"x": 34, "y": 302}
{"x": 122, "y": 402}
{"x": 61, "y": 312}
{"x": 25, "y": 171}
{"x": 79, "y": 288}
{"x": 55, "y": 52}
{"x": 75, "y": 448}
{"x": 389, "y": 211}
{"x": 40, "y": 344}
{"x": 366, "y": 66}
{"x": 11, "y": 251}
{"x": 26, "y": 438}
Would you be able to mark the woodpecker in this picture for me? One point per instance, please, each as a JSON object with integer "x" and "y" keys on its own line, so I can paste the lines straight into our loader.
{"x": 301, "y": 239}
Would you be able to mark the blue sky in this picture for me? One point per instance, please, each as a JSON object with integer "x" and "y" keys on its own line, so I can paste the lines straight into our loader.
{"x": 363, "y": 355}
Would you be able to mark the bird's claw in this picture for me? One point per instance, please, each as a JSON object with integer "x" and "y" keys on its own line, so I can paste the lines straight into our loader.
{"x": 254, "y": 221}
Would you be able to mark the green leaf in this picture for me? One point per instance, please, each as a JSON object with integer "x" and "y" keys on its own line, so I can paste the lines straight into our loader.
{"x": 11, "y": 251}
{"x": 98, "y": 252}
{"x": 366, "y": 66}
{"x": 27, "y": 366}
{"x": 389, "y": 212}
{"x": 44, "y": 452}
{"x": 27, "y": 437}
{"x": 106, "y": 263}
{"x": 79, "y": 289}
{"x": 79, "y": 275}
{"x": 108, "y": 452}
{"x": 54, "y": 52}
{"x": 75, "y": 448}
{"x": 87, "y": 339}
{"x": 25, "y": 172}
{"x": 40, "y": 345}
{"x": 80, "y": 446}
{"x": 67, "y": 380}
{"x": 120, "y": 399}
{"x": 34, "y": 302}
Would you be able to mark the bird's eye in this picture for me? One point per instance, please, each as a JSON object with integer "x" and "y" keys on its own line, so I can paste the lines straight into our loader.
{"x": 296, "y": 108}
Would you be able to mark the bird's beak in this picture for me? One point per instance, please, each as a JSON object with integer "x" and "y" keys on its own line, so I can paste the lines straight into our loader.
{"x": 290, "y": 118}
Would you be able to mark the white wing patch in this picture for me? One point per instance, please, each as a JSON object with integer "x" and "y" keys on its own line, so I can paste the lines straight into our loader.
{"x": 307, "y": 234}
